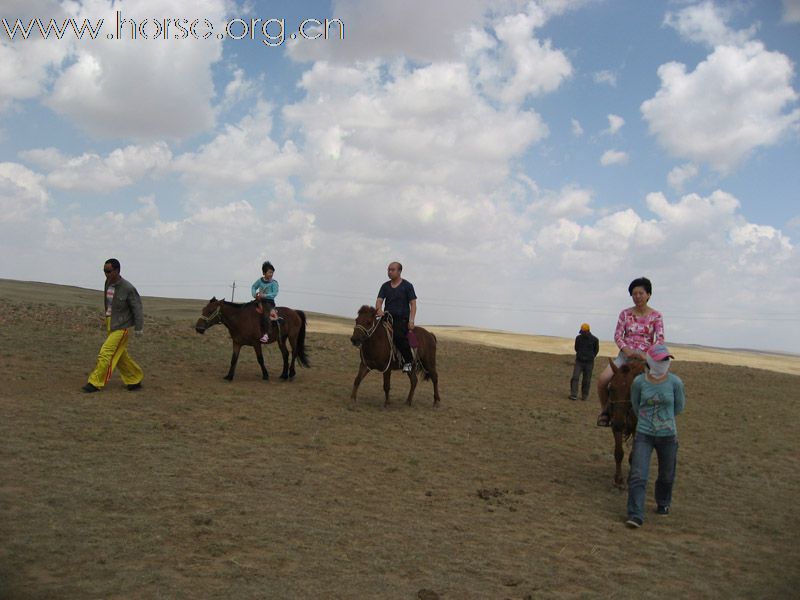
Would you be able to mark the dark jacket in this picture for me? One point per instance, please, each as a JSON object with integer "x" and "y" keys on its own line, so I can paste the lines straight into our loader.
{"x": 586, "y": 347}
{"x": 126, "y": 306}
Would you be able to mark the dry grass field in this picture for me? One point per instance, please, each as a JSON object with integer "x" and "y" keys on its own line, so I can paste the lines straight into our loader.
{"x": 195, "y": 487}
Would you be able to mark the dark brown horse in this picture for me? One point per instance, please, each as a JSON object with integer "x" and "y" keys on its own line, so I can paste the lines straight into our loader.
{"x": 373, "y": 337}
{"x": 620, "y": 412}
{"x": 244, "y": 326}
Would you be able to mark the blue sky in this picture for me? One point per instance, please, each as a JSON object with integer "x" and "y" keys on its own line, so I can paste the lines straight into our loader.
{"x": 524, "y": 159}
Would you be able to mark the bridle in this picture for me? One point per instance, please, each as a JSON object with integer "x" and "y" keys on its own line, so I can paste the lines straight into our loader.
{"x": 217, "y": 313}
{"x": 368, "y": 332}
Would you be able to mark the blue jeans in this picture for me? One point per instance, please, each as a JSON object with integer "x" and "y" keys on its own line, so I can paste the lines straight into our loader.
{"x": 667, "y": 452}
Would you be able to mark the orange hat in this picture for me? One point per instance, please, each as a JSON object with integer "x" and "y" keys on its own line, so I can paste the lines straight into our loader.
{"x": 585, "y": 327}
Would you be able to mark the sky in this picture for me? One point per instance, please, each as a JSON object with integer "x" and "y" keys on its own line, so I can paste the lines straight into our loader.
{"x": 524, "y": 160}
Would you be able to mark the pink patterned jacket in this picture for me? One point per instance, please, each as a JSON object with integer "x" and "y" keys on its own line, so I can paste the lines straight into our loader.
{"x": 639, "y": 333}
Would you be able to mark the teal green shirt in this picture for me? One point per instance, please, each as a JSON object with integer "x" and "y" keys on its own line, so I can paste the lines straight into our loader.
{"x": 657, "y": 404}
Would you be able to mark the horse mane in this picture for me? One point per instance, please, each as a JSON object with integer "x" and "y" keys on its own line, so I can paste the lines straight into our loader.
{"x": 237, "y": 304}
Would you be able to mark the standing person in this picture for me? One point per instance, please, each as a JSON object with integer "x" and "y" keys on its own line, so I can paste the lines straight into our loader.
{"x": 657, "y": 396}
{"x": 638, "y": 328}
{"x": 398, "y": 298}
{"x": 123, "y": 310}
{"x": 264, "y": 290}
{"x": 586, "y": 348}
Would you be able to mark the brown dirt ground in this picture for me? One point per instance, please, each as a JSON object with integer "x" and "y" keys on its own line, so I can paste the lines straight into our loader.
{"x": 199, "y": 488}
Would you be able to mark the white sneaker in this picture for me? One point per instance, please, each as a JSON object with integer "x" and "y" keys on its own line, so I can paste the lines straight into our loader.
{"x": 264, "y": 339}
{"x": 407, "y": 368}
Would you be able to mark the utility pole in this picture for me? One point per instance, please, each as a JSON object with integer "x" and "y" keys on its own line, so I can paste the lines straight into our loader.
{"x": 233, "y": 289}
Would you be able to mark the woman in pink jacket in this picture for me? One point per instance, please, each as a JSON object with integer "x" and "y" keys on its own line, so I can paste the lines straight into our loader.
{"x": 638, "y": 328}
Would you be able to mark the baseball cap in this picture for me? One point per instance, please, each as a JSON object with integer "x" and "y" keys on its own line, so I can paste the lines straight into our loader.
{"x": 659, "y": 352}
{"x": 585, "y": 327}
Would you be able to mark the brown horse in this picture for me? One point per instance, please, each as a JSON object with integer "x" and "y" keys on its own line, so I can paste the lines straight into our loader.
{"x": 373, "y": 337}
{"x": 620, "y": 412}
{"x": 244, "y": 326}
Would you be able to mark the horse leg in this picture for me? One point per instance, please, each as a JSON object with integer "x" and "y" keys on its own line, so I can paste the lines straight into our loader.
{"x": 260, "y": 358}
{"x": 285, "y": 374}
{"x": 429, "y": 364}
{"x": 362, "y": 372}
{"x": 619, "y": 453}
{"x": 435, "y": 380}
{"x": 387, "y": 384}
{"x": 413, "y": 377}
{"x": 234, "y": 358}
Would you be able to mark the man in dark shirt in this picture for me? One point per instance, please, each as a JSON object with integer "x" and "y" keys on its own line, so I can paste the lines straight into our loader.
{"x": 397, "y": 297}
{"x": 586, "y": 348}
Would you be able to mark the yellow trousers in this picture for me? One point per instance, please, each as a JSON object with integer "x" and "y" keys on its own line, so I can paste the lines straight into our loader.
{"x": 114, "y": 353}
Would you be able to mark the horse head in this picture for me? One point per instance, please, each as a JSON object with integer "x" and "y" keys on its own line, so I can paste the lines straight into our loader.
{"x": 365, "y": 325}
{"x": 620, "y": 411}
{"x": 211, "y": 315}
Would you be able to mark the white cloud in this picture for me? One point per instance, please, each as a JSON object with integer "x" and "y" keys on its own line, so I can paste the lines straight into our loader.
{"x": 240, "y": 156}
{"x": 28, "y": 63}
{"x": 707, "y": 23}
{"x": 613, "y": 157}
{"x": 605, "y": 77}
{"x": 451, "y": 142}
{"x": 142, "y": 88}
{"x": 570, "y": 202}
{"x": 416, "y": 29}
{"x": 525, "y": 66}
{"x": 615, "y": 123}
{"x": 92, "y": 173}
{"x": 681, "y": 174}
{"x": 22, "y": 195}
{"x": 730, "y": 105}
{"x": 791, "y": 11}
{"x": 577, "y": 130}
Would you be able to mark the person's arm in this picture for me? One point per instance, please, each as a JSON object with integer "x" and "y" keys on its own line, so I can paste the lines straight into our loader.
{"x": 135, "y": 304}
{"x": 576, "y": 342}
{"x": 272, "y": 290}
{"x": 680, "y": 397}
{"x": 619, "y": 336}
{"x": 596, "y": 346}
{"x": 413, "y": 306}
{"x": 255, "y": 288}
{"x": 658, "y": 328}
{"x": 379, "y": 307}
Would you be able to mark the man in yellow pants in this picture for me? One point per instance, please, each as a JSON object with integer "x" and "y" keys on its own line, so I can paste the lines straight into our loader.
{"x": 123, "y": 310}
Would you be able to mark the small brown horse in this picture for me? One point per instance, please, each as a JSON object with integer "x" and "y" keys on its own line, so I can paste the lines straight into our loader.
{"x": 244, "y": 326}
{"x": 373, "y": 337}
{"x": 621, "y": 416}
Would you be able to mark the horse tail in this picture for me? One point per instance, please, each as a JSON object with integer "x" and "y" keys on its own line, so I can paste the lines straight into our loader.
{"x": 425, "y": 374}
{"x": 301, "y": 341}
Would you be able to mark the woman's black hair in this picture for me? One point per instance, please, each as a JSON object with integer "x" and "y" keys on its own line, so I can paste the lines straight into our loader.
{"x": 267, "y": 266}
{"x": 641, "y": 282}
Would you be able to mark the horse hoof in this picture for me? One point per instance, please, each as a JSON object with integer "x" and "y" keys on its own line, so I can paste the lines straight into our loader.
{"x": 226, "y": 378}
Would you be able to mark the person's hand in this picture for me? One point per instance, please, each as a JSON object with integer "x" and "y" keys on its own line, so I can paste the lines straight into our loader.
{"x": 629, "y": 352}
{"x": 379, "y": 313}
{"x": 410, "y": 324}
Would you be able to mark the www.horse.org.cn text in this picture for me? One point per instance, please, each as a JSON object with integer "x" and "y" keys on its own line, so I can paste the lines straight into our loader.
{"x": 271, "y": 32}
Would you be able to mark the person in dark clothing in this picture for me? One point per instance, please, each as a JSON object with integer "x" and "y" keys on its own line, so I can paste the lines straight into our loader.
{"x": 397, "y": 297}
{"x": 586, "y": 348}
